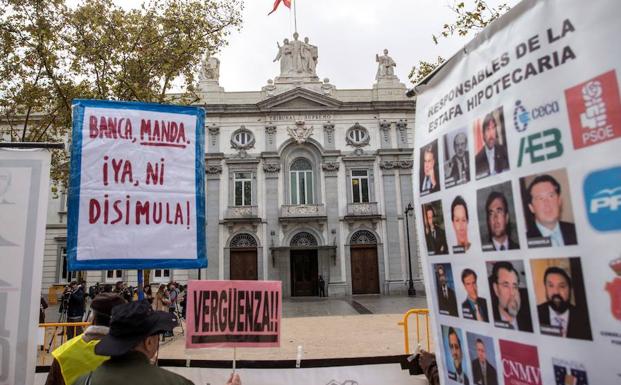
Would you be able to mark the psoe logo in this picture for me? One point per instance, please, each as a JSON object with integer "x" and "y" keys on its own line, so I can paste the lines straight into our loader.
{"x": 594, "y": 110}
{"x": 602, "y": 195}
{"x": 522, "y": 116}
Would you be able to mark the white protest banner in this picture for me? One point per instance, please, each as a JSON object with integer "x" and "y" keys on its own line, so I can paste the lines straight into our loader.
{"x": 517, "y": 145}
{"x": 136, "y": 196}
{"x": 24, "y": 187}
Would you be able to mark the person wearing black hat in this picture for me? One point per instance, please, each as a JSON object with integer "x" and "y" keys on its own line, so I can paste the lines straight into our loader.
{"x": 77, "y": 356}
{"x": 132, "y": 345}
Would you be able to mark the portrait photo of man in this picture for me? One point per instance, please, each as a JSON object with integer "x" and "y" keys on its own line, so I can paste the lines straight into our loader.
{"x": 509, "y": 300}
{"x": 496, "y": 222}
{"x": 435, "y": 236}
{"x": 456, "y": 158}
{"x": 546, "y": 206}
{"x": 429, "y": 170}
{"x": 456, "y": 360}
{"x": 445, "y": 289}
{"x": 492, "y": 157}
{"x": 460, "y": 220}
{"x": 555, "y": 292}
{"x": 474, "y": 307}
{"x": 482, "y": 354}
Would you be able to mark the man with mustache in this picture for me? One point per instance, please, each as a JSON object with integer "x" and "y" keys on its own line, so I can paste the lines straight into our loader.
{"x": 557, "y": 316}
{"x": 508, "y": 309}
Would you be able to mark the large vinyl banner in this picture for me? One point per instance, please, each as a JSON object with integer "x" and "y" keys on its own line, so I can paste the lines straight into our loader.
{"x": 24, "y": 186}
{"x": 137, "y": 186}
{"x": 519, "y": 198}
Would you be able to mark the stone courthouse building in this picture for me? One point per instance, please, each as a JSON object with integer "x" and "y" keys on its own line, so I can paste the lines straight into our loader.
{"x": 302, "y": 180}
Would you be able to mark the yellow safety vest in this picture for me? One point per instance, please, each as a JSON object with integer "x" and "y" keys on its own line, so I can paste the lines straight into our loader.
{"x": 77, "y": 357}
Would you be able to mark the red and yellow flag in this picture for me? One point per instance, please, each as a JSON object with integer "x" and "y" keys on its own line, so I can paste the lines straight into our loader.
{"x": 277, "y": 3}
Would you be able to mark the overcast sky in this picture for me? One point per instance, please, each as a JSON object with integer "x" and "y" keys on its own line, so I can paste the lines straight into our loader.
{"x": 348, "y": 33}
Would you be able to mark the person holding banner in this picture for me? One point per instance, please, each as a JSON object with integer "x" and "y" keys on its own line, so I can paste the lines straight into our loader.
{"x": 133, "y": 344}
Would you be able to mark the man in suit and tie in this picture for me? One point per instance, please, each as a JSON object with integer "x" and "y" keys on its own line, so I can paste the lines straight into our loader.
{"x": 430, "y": 182}
{"x": 492, "y": 159}
{"x": 474, "y": 307}
{"x": 557, "y": 316}
{"x": 435, "y": 237}
{"x": 545, "y": 203}
{"x": 498, "y": 225}
{"x": 459, "y": 166}
{"x": 483, "y": 373}
{"x": 447, "y": 302}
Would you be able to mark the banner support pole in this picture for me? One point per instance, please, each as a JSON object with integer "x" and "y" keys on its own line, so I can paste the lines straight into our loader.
{"x": 140, "y": 288}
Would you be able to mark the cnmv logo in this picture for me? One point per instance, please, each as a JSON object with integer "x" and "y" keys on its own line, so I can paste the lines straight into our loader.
{"x": 522, "y": 116}
{"x": 602, "y": 195}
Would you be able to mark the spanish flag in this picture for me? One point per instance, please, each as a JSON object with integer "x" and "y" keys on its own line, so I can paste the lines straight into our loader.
{"x": 277, "y": 3}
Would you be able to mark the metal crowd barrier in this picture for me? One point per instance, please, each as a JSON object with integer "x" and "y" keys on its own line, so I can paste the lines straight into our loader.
{"x": 424, "y": 313}
{"x": 52, "y": 335}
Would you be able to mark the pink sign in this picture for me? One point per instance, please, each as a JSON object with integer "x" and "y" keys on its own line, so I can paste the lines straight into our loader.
{"x": 233, "y": 313}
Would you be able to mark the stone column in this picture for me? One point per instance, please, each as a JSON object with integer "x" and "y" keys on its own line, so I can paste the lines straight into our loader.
{"x": 392, "y": 221}
{"x": 332, "y": 270}
{"x": 328, "y": 135}
{"x": 213, "y": 139}
{"x": 271, "y": 169}
{"x": 212, "y": 208}
{"x": 407, "y": 196}
{"x": 384, "y": 130}
{"x": 402, "y": 133}
{"x": 270, "y": 137}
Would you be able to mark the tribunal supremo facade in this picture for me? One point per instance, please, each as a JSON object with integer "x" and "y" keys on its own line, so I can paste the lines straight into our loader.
{"x": 302, "y": 180}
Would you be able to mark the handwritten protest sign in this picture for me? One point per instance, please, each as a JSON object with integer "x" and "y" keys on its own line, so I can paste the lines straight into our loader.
{"x": 233, "y": 313}
{"x": 136, "y": 197}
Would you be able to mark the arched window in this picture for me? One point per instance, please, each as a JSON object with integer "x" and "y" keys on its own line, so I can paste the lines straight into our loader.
{"x": 242, "y": 241}
{"x": 363, "y": 237}
{"x": 303, "y": 239}
{"x": 301, "y": 182}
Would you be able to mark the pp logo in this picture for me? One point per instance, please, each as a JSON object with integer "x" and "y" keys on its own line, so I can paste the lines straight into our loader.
{"x": 594, "y": 110}
{"x": 602, "y": 195}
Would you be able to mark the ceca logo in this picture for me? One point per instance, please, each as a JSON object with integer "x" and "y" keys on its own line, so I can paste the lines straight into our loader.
{"x": 602, "y": 195}
{"x": 522, "y": 116}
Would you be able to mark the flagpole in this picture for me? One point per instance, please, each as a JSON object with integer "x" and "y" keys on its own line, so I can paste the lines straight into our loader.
{"x": 295, "y": 16}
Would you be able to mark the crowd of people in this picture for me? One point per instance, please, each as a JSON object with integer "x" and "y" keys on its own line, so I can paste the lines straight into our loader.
{"x": 121, "y": 345}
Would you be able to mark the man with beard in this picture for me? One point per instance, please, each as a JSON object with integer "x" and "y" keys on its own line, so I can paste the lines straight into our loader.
{"x": 557, "y": 316}
{"x": 492, "y": 159}
{"x": 498, "y": 225}
{"x": 457, "y": 355}
{"x": 447, "y": 302}
{"x": 508, "y": 309}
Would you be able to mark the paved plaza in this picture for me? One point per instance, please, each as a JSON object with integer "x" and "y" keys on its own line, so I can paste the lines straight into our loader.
{"x": 358, "y": 326}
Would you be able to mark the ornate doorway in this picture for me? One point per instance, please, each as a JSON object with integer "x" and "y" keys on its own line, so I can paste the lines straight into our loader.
{"x": 364, "y": 268}
{"x": 244, "y": 258}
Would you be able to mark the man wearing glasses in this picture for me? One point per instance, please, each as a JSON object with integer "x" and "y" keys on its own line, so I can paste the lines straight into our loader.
{"x": 498, "y": 225}
{"x": 508, "y": 310}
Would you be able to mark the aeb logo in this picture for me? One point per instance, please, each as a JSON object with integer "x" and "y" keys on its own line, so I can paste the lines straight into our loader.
{"x": 541, "y": 146}
{"x": 602, "y": 195}
{"x": 522, "y": 116}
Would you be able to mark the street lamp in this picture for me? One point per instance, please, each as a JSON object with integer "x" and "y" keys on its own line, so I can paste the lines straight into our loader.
{"x": 411, "y": 290}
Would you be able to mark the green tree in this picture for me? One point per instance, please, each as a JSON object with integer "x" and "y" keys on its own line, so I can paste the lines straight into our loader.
{"x": 471, "y": 17}
{"x": 53, "y": 53}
